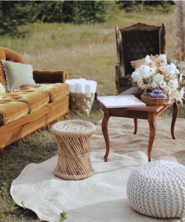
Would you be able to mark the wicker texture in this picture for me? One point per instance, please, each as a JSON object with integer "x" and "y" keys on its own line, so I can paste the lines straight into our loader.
{"x": 82, "y": 102}
{"x": 73, "y": 139}
{"x": 145, "y": 97}
{"x": 157, "y": 189}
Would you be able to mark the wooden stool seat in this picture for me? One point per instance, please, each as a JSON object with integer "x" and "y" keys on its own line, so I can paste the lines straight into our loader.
{"x": 73, "y": 139}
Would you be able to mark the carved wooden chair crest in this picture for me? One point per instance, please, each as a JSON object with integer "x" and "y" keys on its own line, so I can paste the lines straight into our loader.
{"x": 133, "y": 43}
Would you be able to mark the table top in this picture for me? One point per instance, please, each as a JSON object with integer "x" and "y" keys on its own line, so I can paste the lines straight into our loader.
{"x": 120, "y": 101}
{"x": 154, "y": 109}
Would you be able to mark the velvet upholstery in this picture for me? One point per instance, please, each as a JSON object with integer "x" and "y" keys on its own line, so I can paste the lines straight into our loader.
{"x": 134, "y": 43}
{"x": 49, "y": 76}
{"x": 26, "y": 110}
{"x": 11, "y": 110}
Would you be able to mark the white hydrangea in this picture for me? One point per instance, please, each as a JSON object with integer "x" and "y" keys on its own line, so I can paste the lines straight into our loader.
{"x": 158, "y": 78}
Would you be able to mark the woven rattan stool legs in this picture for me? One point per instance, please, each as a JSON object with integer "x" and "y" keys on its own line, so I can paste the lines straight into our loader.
{"x": 73, "y": 139}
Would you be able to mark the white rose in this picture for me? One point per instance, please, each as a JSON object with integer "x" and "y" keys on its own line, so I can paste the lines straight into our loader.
{"x": 172, "y": 72}
{"x": 162, "y": 84}
{"x": 172, "y": 66}
{"x": 148, "y": 60}
{"x": 158, "y": 78}
{"x": 135, "y": 75}
{"x": 139, "y": 82}
{"x": 162, "y": 57}
{"x": 177, "y": 71}
{"x": 145, "y": 75}
{"x": 173, "y": 84}
{"x": 154, "y": 85}
{"x": 165, "y": 69}
{"x": 144, "y": 69}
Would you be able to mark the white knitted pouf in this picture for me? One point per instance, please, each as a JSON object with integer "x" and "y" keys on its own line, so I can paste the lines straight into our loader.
{"x": 157, "y": 189}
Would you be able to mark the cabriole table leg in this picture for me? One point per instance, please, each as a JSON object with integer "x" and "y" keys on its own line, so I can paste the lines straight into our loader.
{"x": 152, "y": 125}
{"x": 135, "y": 126}
{"x": 105, "y": 132}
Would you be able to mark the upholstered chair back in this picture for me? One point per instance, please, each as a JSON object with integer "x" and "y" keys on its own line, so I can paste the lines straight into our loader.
{"x": 134, "y": 43}
{"x": 10, "y": 55}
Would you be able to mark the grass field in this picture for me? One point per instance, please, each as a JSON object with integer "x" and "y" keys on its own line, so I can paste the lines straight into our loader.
{"x": 87, "y": 51}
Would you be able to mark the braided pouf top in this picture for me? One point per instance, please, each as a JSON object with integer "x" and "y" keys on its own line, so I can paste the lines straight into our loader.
{"x": 157, "y": 189}
{"x": 73, "y": 128}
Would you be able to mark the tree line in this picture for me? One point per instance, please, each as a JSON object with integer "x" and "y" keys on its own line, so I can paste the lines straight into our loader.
{"x": 16, "y": 13}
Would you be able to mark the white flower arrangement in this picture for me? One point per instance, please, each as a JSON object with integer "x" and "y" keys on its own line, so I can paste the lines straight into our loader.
{"x": 157, "y": 74}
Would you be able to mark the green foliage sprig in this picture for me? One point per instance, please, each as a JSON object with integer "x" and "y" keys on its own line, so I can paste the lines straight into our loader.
{"x": 63, "y": 216}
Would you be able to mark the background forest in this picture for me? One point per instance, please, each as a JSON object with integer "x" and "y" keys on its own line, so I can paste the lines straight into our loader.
{"x": 16, "y": 13}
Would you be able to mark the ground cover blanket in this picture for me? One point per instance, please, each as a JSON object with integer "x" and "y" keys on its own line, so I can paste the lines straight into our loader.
{"x": 101, "y": 197}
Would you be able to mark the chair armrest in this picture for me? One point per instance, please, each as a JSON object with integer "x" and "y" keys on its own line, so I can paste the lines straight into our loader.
{"x": 41, "y": 76}
{"x": 117, "y": 77}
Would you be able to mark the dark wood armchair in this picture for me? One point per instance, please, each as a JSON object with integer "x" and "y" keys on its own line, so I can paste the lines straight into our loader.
{"x": 133, "y": 43}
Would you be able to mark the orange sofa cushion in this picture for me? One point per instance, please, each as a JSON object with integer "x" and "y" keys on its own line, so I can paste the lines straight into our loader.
{"x": 55, "y": 91}
{"x": 31, "y": 117}
{"x": 29, "y": 99}
{"x": 34, "y": 99}
{"x": 11, "y": 110}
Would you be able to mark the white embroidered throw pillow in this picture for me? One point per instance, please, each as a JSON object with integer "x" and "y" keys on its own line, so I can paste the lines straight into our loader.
{"x": 17, "y": 75}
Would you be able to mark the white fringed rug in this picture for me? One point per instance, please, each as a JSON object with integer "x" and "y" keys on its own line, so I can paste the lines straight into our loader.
{"x": 99, "y": 198}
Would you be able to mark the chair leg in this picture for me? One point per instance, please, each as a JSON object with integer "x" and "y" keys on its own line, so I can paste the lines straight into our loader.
{"x": 135, "y": 126}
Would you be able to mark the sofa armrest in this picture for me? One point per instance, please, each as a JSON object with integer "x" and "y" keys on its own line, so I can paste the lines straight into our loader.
{"x": 41, "y": 76}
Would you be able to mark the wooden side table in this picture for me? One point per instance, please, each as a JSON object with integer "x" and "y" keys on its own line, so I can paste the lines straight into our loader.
{"x": 148, "y": 112}
{"x": 73, "y": 140}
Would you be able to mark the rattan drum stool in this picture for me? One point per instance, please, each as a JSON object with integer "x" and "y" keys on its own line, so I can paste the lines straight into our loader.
{"x": 73, "y": 139}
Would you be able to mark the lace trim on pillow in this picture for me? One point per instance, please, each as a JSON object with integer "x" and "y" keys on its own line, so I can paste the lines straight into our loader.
{"x": 6, "y": 78}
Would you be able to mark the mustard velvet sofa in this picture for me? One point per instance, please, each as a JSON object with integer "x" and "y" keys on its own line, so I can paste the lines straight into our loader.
{"x": 26, "y": 110}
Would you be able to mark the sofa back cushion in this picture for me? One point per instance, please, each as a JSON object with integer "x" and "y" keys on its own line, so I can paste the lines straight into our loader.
{"x": 17, "y": 75}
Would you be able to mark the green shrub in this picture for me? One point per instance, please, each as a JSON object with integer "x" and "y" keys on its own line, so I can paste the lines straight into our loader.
{"x": 14, "y": 14}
